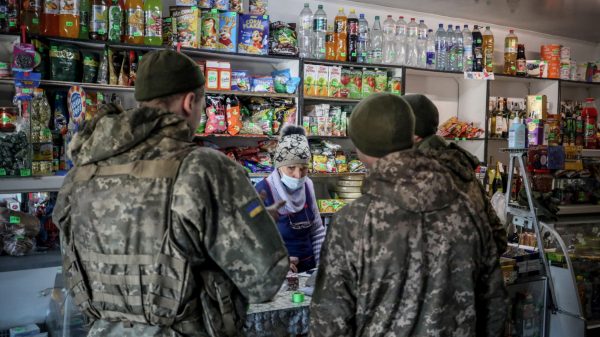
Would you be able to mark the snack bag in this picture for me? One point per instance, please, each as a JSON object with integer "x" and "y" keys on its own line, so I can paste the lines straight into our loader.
{"x": 253, "y": 34}
{"x": 215, "y": 111}
{"x": 234, "y": 119}
{"x": 283, "y": 39}
{"x": 280, "y": 79}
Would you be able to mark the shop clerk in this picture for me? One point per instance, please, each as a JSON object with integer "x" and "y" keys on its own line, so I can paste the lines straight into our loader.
{"x": 300, "y": 223}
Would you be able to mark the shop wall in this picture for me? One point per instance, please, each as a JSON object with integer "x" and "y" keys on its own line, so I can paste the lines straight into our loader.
{"x": 581, "y": 51}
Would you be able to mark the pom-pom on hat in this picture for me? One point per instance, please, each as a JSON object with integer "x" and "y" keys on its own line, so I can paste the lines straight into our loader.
{"x": 293, "y": 148}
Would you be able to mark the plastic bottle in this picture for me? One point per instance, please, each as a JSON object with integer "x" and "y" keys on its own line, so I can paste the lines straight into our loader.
{"x": 305, "y": 32}
{"x": 153, "y": 22}
{"x": 477, "y": 49}
{"x": 510, "y": 53}
{"x": 467, "y": 49}
{"x": 440, "y": 48}
{"x": 517, "y": 134}
{"x": 330, "y": 44}
{"x": 340, "y": 36}
{"x": 450, "y": 50}
{"x": 134, "y": 22}
{"x": 69, "y": 19}
{"x": 521, "y": 61}
{"x": 352, "y": 36}
{"x": 376, "y": 51}
{"x": 319, "y": 26}
{"x": 430, "y": 50}
{"x": 363, "y": 39}
{"x": 412, "y": 54}
{"x": 459, "y": 47}
{"x": 85, "y": 11}
{"x": 389, "y": 46}
{"x": 589, "y": 115}
{"x": 99, "y": 20}
{"x": 31, "y": 15}
{"x": 50, "y": 18}
{"x": 422, "y": 44}
{"x": 115, "y": 21}
{"x": 401, "y": 28}
{"x": 488, "y": 50}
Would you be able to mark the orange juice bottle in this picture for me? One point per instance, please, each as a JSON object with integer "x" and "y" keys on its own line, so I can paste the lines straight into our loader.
{"x": 50, "y": 17}
{"x": 340, "y": 36}
{"x": 134, "y": 21}
{"x": 69, "y": 18}
{"x": 329, "y": 44}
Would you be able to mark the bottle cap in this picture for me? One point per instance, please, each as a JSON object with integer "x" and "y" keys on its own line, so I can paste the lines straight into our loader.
{"x": 320, "y": 6}
{"x": 377, "y": 17}
{"x": 389, "y": 16}
{"x": 441, "y": 25}
{"x": 512, "y": 31}
{"x": 422, "y": 21}
{"x": 466, "y": 26}
{"x": 487, "y": 27}
{"x": 401, "y": 17}
{"x": 412, "y": 19}
{"x": 476, "y": 27}
{"x": 352, "y": 11}
{"x": 306, "y": 5}
{"x": 341, "y": 9}
{"x": 362, "y": 16}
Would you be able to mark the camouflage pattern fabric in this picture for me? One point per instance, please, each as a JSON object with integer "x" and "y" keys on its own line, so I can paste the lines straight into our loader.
{"x": 411, "y": 257}
{"x": 216, "y": 221}
{"x": 462, "y": 164}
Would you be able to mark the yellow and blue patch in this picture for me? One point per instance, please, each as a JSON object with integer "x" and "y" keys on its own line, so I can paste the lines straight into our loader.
{"x": 254, "y": 208}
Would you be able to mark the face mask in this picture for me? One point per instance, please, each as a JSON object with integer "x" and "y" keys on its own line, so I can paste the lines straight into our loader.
{"x": 292, "y": 183}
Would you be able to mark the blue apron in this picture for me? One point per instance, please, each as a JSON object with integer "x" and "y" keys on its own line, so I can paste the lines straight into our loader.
{"x": 295, "y": 228}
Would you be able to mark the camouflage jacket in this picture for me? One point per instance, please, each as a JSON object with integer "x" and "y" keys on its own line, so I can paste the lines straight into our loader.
{"x": 411, "y": 257}
{"x": 462, "y": 164}
{"x": 211, "y": 225}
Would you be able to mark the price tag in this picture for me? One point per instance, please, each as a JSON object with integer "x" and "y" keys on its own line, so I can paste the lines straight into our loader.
{"x": 354, "y": 54}
{"x": 116, "y": 27}
{"x": 2, "y": 172}
{"x": 69, "y": 24}
{"x": 25, "y": 172}
{"x": 343, "y": 54}
{"x": 5, "y": 120}
{"x": 46, "y": 132}
{"x": 88, "y": 101}
{"x": 35, "y": 21}
{"x": 194, "y": 8}
{"x": 27, "y": 91}
{"x": 101, "y": 32}
{"x": 15, "y": 219}
{"x": 137, "y": 34}
{"x": 12, "y": 24}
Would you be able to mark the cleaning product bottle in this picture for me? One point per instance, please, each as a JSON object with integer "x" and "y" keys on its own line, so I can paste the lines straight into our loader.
{"x": 516, "y": 134}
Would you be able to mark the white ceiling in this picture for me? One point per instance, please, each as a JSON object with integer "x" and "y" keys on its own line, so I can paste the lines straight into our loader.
{"x": 578, "y": 19}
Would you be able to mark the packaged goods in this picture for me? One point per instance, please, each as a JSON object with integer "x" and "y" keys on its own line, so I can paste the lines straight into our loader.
{"x": 23, "y": 331}
{"x": 236, "y": 6}
{"x": 206, "y": 4}
{"x": 64, "y": 64}
{"x": 76, "y": 105}
{"x": 395, "y": 85}
{"x": 322, "y": 80}
{"x": 240, "y": 81}
{"x": 228, "y": 31}
{"x": 537, "y": 68}
{"x": 283, "y": 39}
{"x": 381, "y": 80}
{"x": 535, "y": 132}
{"x": 222, "y": 5}
{"x": 216, "y": 114}
{"x": 310, "y": 79}
{"x": 284, "y": 113}
{"x": 23, "y": 57}
{"x": 168, "y": 31}
{"x": 262, "y": 84}
{"x": 224, "y": 76}
{"x": 330, "y": 205}
{"x": 8, "y": 119}
{"x": 14, "y": 154}
{"x": 253, "y": 34}
{"x": 212, "y": 75}
{"x": 186, "y": 25}
{"x": 210, "y": 24}
{"x": 234, "y": 118}
{"x": 334, "y": 87}
{"x": 368, "y": 82}
{"x": 537, "y": 107}
{"x": 90, "y": 67}
{"x": 453, "y": 128}
{"x": 258, "y": 7}
{"x": 280, "y": 79}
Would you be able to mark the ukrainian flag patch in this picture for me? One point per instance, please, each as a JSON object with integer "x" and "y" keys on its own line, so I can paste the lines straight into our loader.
{"x": 254, "y": 208}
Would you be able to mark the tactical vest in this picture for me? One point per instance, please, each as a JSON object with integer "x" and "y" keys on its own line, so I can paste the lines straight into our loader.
{"x": 129, "y": 269}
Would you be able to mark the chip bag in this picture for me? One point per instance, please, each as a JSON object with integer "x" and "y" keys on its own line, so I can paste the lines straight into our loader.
{"x": 234, "y": 118}
{"x": 215, "y": 111}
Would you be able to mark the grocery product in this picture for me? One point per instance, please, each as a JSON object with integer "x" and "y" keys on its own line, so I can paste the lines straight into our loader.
{"x": 488, "y": 49}
{"x": 253, "y": 34}
{"x": 389, "y": 45}
{"x": 212, "y": 75}
{"x": 535, "y": 132}
{"x": 330, "y": 205}
{"x": 235, "y": 6}
{"x": 334, "y": 84}
{"x": 85, "y": 13}
{"x": 64, "y": 62}
{"x": 322, "y": 80}
{"x": 240, "y": 81}
{"x": 537, "y": 107}
{"x": 186, "y": 25}
{"x": 381, "y": 80}
{"x": 50, "y": 17}
{"x": 134, "y": 21}
{"x": 340, "y": 36}
{"x": 282, "y": 39}
{"x": 362, "y": 47}
{"x": 205, "y": 4}
{"x": 330, "y": 53}
{"x": 210, "y": 26}
{"x": 153, "y": 22}
{"x": 258, "y": 7}
{"x": 115, "y": 21}
{"x": 262, "y": 84}
{"x": 99, "y": 20}
{"x": 510, "y": 53}
{"x": 234, "y": 118}
{"x": 305, "y": 32}
{"x": 216, "y": 114}
{"x": 31, "y": 14}
{"x": 521, "y": 61}
{"x": 590, "y": 119}
{"x": 368, "y": 82}
{"x": 168, "y": 30}
{"x": 478, "y": 61}
{"x": 375, "y": 54}
{"x": 310, "y": 79}
{"x": 454, "y": 128}
{"x": 228, "y": 31}
{"x": 90, "y": 67}
{"x": 280, "y": 78}
{"x": 224, "y": 76}
{"x": 23, "y": 57}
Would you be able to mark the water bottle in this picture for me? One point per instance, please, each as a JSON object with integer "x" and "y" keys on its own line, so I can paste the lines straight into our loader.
{"x": 440, "y": 48}
{"x": 305, "y": 32}
{"x": 319, "y": 33}
{"x": 352, "y": 37}
{"x": 376, "y": 42}
{"x": 459, "y": 49}
{"x": 363, "y": 39}
{"x": 401, "y": 27}
{"x": 450, "y": 50}
{"x": 422, "y": 45}
{"x": 389, "y": 34}
{"x": 411, "y": 43}
{"x": 430, "y": 50}
{"x": 467, "y": 49}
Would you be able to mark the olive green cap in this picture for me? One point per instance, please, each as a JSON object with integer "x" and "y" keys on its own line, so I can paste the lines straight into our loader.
{"x": 166, "y": 72}
{"x": 427, "y": 117}
{"x": 382, "y": 124}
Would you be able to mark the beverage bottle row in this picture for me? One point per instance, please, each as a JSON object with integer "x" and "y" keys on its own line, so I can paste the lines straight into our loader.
{"x": 398, "y": 42}
{"x": 130, "y": 21}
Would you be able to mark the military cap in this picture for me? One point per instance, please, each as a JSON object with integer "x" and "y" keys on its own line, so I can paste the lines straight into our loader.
{"x": 427, "y": 117}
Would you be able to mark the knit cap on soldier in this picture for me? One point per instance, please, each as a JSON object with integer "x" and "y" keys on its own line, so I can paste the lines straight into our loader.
{"x": 427, "y": 117}
{"x": 293, "y": 148}
{"x": 382, "y": 124}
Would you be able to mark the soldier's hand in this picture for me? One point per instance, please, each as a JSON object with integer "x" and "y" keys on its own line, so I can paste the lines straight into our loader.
{"x": 293, "y": 264}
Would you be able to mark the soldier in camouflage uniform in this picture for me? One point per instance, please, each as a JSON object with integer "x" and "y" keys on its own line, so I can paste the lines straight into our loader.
{"x": 411, "y": 257}
{"x": 456, "y": 159}
{"x": 160, "y": 237}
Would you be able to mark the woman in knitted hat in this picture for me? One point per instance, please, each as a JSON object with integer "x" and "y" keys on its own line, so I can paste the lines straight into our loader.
{"x": 300, "y": 223}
